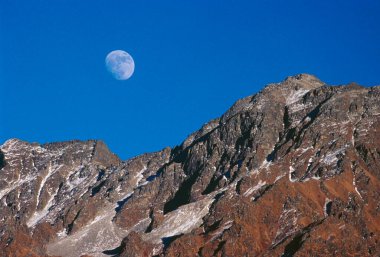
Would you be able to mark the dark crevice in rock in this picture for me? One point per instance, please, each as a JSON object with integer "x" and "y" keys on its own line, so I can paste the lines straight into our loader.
{"x": 178, "y": 155}
{"x": 97, "y": 188}
{"x": 122, "y": 202}
{"x": 216, "y": 198}
{"x": 182, "y": 196}
{"x": 296, "y": 243}
{"x": 339, "y": 163}
{"x": 328, "y": 208}
{"x": 213, "y": 226}
{"x": 363, "y": 152}
{"x": 150, "y": 226}
{"x": 227, "y": 174}
{"x": 100, "y": 175}
{"x": 200, "y": 251}
{"x": 212, "y": 185}
{"x": 154, "y": 176}
{"x": 219, "y": 248}
{"x": 224, "y": 158}
{"x": 235, "y": 174}
{"x": 261, "y": 192}
{"x": 286, "y": 118}
{"x": 71, "y": 225}
{"x": 293, "y": 246}
{"x": 245, "y": 137}
{"x": 238, "y": 185}
{"x": 9, "y": 241}
{"x": 2, "y": 160}
{"x": 166, "y": 241}
{"x": 60, "y": 186}
{"x": 114, "y": 252}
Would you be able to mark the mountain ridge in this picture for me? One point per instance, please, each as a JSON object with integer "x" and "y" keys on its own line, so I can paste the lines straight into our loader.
{"x": 288, "y": 171}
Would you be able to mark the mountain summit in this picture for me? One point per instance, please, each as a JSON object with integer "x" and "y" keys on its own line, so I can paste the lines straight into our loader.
{"x": 291, "y": 171}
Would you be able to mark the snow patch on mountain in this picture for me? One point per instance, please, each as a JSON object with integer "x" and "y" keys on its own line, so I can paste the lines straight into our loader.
{"x": 181, "y": 221}
{"x": 295, "y": 96}
{"x": 253, "y": 189}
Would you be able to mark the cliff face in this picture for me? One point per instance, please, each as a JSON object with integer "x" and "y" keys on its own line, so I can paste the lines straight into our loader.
{"x": 291, "y": 171}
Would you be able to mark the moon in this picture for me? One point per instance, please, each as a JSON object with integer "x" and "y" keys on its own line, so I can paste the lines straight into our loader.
{"x": 120, "y": 64}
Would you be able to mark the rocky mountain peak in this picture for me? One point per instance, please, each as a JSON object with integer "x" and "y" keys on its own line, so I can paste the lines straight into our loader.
{"x": 292, "y": 89}
{"x": 290, "y": 171}
{"x": 13, "y": 144}
{"x": 304, "y": 80}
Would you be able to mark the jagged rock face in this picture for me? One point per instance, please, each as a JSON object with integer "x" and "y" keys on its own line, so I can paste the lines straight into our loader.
{"x": 291, "y": 171}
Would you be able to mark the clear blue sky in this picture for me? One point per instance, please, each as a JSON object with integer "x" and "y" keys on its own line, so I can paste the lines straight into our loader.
{"x": 193, "y": 60}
